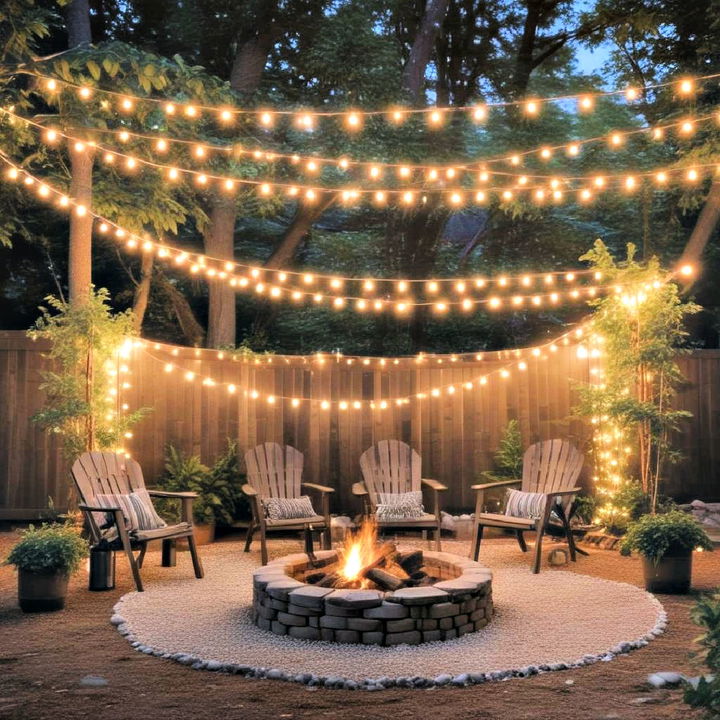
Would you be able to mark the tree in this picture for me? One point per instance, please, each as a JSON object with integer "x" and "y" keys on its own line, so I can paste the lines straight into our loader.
{"x": 641, "y": 330}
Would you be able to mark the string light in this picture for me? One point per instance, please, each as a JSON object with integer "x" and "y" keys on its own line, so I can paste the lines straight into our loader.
{"x": 404, "y": 171}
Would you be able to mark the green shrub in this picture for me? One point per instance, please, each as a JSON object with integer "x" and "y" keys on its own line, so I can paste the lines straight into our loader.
{"x": 219, "y": 500}
{"x": 509, "y": 455}
{"x": 654, "y": 535}
{"x": 49, "y": 548}
{"x": 706, "y": 614}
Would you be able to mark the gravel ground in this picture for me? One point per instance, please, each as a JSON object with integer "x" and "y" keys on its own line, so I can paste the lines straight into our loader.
{"x": 43, "y": 660}
{"x": 554, "y": 619}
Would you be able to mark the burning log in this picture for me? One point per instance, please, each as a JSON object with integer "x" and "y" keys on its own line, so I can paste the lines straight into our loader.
{"x": 411, "y": 562}
{"x": 384, "y": 580}
{"x": 332, "y": 579}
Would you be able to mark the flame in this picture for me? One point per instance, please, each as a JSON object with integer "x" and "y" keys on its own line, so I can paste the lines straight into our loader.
{"x": 359, "y": 552}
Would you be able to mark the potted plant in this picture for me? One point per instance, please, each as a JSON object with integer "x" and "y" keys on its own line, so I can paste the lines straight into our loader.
{"x": 218, "y": 489}
{"x": 45, "y": 557}
{"x": 666, "y": 543}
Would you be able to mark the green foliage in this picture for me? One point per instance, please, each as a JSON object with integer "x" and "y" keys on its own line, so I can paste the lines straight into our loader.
{"x": 219, "y": 500}
{"x": 655, "y": 535}
{"x": 86, "y": 347}
{"x": 706, "y": 614}
{"x": 48, "y": 549}
{"x": 641, "y": 331}
{"x": 509, "y": 455}
{"x": 583, "y": 508}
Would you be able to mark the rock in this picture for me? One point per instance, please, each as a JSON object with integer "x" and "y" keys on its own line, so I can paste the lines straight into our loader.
{"x": 213, "y": 665}
{"x": 94, "y": 681}
{"x": 661, "y": 679}
{"x": 117, "y": 620}
{"x": 647, "y": 700}
{"x": 442, "y": 679}
{"x": 275, "y": 674}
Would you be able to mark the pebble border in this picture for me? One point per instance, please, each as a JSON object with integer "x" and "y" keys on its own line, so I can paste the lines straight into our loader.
{"x": 384, "y": 683}
{"x": 460, "y": 602}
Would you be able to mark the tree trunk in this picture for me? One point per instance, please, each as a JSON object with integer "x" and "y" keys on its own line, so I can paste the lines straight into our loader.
{"x": 77, "y": 21}
{"x": 298, "y": 229}
{"x": 219, "y": 237}
{"x": 414, "y": 72}
{"x": 142, "y": 291}
{"x": 190, "y": 327}
{"x": 80, "y": 250}
{"x": 704, "y": 227}
{"x": 220, "y": 243}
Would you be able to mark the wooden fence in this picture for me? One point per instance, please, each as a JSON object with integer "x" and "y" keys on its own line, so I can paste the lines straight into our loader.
{"x": 456, "y": 434}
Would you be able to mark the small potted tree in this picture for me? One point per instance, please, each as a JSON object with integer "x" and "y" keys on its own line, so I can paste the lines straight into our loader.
{"x": 45, "y": 557}
{"x": 666, "y": 543}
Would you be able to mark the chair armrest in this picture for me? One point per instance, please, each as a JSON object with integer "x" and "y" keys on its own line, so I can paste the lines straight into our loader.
{"x": 499, "y": 483}
{"x": 319, "y": 488}
{"x": 359, "y": 489}
{"x": 168, "y": 494}
{"x": 434, "y": 484}
{"x": 93, "y": 508}
{"x": 249, "y": 490}
{"x": 559, "y": 493}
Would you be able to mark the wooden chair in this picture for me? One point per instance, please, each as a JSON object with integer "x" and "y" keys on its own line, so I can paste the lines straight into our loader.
{"x": 551, "y": 467}
{"x": 393, "y": 466}
{"x": 99, "y": 473}
{"x": 276, "y": 472}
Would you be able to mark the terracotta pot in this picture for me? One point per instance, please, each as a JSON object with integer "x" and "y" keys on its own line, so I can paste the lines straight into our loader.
{"x": 204, "y": 534}
{"x": 672, "y": 574}
{"x": 42, "y": 592}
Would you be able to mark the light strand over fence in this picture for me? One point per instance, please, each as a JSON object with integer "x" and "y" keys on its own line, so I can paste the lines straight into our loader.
{"x": 226, "y": 271}
{"x": 588, "y": 346}
{"x": 352, "y": 119}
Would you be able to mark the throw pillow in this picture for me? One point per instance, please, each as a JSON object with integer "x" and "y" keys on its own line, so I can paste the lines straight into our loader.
{"x": 400, "y": 506}
{"x": 288, "y": 508}
{"x": 137, "y": 509}
{"x": 524, "y": 504}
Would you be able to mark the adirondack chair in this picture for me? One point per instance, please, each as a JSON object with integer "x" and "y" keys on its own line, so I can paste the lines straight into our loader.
{"x": 276, "y": 472}
{"x": 393, "y": 466}
{"x": 99, "y": 473}
{"x": 551, "y": 467}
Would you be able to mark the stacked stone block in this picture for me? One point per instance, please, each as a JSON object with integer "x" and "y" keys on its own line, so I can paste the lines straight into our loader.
{"x": 459, "y": 603}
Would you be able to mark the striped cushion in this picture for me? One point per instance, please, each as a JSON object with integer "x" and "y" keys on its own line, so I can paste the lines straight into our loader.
{"x": 400, "y": 506}
{"x": 524, "y": 504}
{"x": 288, "y": 508}
{"x": 137, "y": 509}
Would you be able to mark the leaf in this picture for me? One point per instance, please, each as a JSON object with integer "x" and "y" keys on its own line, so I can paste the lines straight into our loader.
{"x": 94, "y": 69}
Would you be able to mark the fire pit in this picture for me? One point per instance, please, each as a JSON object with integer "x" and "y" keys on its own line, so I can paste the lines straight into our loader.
{"x": 372, "y": 593}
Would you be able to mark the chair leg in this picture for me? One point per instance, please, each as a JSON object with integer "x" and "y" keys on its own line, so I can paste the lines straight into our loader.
{"x": 538, "y": 548}
{"x": 197, "y": 565}
{"x": 425, "y": 537}
{"x": 568, "y": 532}
{"x": 326, "y": 539}
{"x": 521, "y": 540}
{"x": 437, "y": 538}
{"x": 263, "y": 546}
{"x": 131, "y": 559}
{"x": 249, "y": 536}
{"x": 141, "y": 556}
{"x": 477, "y": 539}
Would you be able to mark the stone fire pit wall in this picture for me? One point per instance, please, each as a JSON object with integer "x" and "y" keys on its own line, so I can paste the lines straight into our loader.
{"x": 459, "y": 603}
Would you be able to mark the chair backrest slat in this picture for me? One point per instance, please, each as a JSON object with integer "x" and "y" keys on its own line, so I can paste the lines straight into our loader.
{"x": 103, "y": 473}
{"x": 390, "y": 466}
{"x": 274, "y": 470}
{"x": 551, "y": 466}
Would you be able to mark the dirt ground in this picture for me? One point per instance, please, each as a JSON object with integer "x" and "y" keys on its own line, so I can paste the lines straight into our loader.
{"x": 44, "y": 657}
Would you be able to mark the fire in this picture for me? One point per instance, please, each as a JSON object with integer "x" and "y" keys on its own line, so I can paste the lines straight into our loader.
{"x": 360, "y": 552}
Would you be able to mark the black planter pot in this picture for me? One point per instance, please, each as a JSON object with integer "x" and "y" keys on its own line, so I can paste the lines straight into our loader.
{"x": 42, "y": 592}
{"x": 672, "y": 574}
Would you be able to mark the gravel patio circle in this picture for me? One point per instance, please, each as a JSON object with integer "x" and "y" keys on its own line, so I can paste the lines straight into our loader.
{"x": 551, "y": 621}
